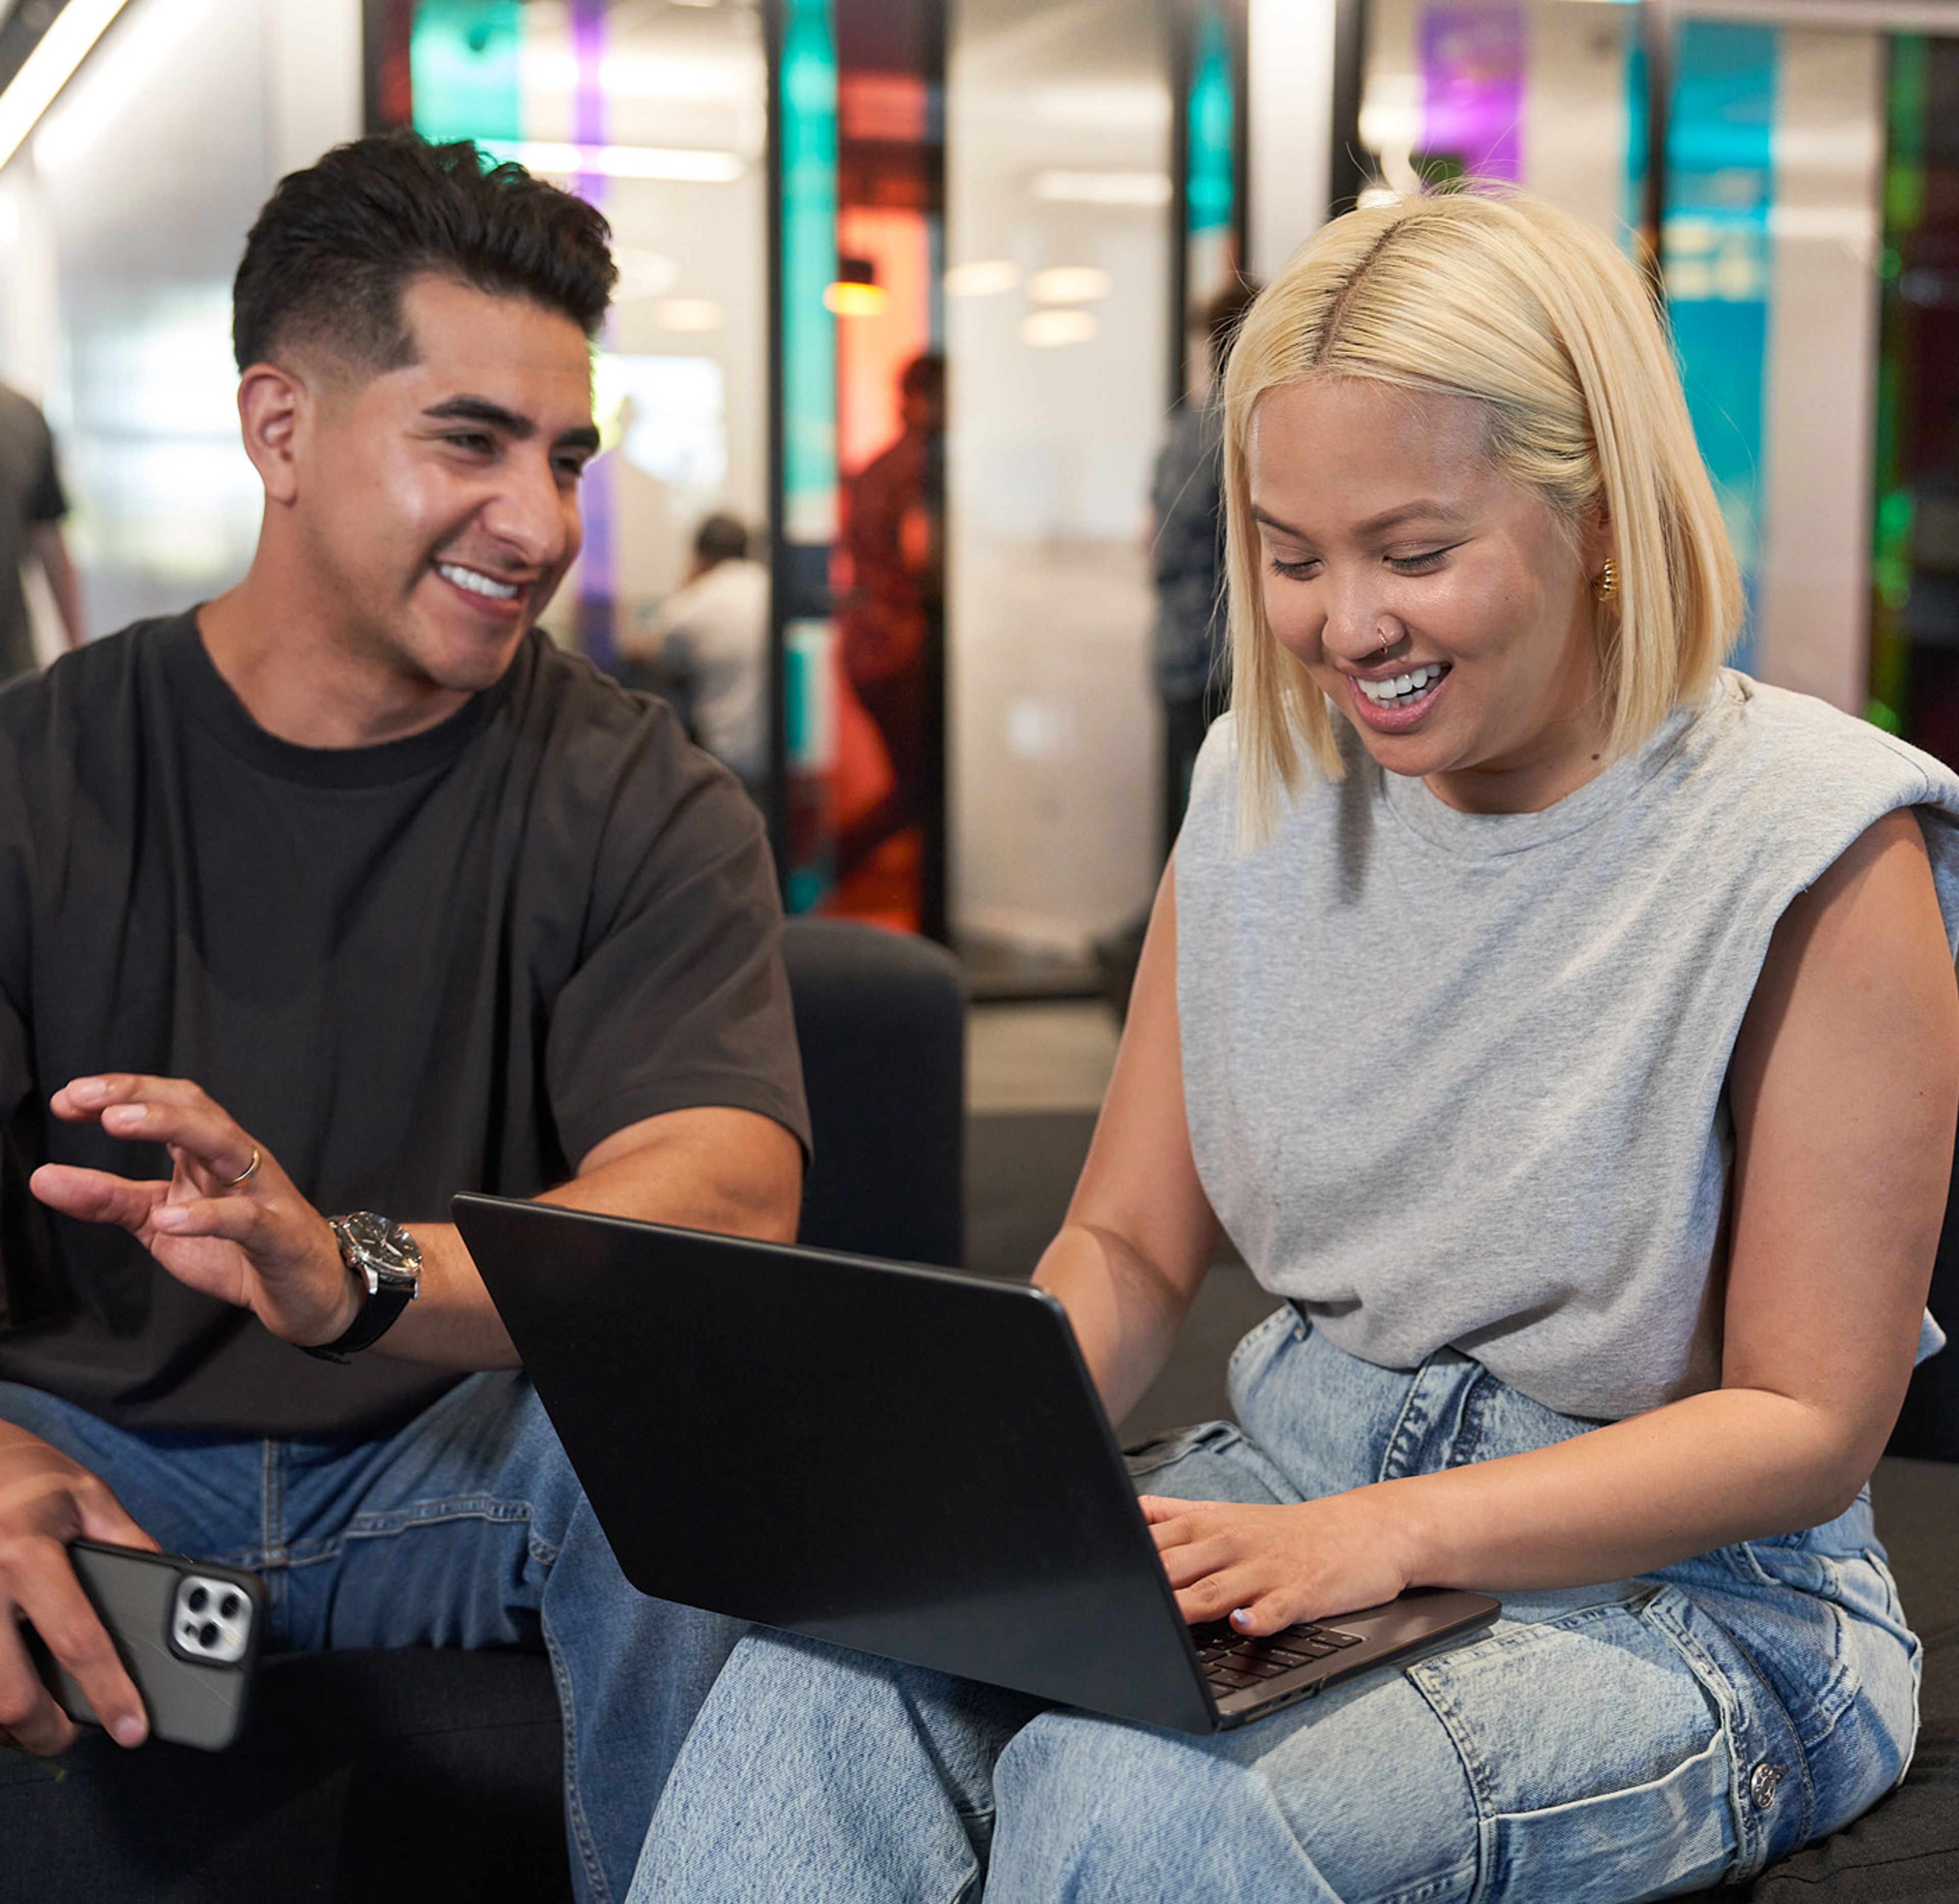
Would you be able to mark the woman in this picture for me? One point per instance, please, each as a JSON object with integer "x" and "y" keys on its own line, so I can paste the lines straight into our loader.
{"x": 1567, "y": 1029}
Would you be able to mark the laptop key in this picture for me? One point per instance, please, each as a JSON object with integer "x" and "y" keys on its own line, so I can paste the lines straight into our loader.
{"x": 1234, "y": 1681}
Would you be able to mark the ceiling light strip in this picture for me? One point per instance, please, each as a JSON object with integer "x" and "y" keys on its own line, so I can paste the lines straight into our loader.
{"x": 44, "y": 73}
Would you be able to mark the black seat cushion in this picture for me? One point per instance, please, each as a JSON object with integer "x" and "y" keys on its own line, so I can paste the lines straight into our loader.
{"x": 361, "y": 1777}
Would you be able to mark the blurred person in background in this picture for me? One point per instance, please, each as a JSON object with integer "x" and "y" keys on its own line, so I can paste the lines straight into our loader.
{"x": 32, "y": 506}
{"x": 1189, "y": 659}
{"x": 1188, "y": 650}
{"x": 343, "y": 892}
{"x": 707, "y": 650}
{"x": 894, "y": 536}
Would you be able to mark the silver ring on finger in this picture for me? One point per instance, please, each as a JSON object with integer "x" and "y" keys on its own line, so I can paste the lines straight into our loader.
{"x": 250, "y": 1171}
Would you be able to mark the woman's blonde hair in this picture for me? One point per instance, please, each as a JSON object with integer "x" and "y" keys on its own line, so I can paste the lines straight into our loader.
{"x": 1524, "y": 309}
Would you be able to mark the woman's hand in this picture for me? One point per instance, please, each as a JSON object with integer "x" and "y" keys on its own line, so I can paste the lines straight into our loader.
{"x": 1265, "y": 1567}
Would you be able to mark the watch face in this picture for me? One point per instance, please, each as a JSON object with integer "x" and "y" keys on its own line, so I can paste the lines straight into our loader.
{"x": 391, "y": 1257}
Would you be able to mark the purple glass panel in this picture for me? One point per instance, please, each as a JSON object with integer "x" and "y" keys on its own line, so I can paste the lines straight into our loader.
{"x": 596, "y": 582}
{"x": 1472, "y": 72}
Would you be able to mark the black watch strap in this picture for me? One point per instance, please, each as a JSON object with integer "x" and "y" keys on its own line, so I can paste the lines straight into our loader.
{"x": 385, "y": 1261}
{"x": 372, "y": 1321}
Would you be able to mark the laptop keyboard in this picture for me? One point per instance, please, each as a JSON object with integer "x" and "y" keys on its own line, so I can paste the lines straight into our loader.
{"x": 1232, "y": 1662}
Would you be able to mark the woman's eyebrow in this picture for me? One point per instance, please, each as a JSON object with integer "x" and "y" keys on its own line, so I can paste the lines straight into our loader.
{"x": 1426, "y": 510}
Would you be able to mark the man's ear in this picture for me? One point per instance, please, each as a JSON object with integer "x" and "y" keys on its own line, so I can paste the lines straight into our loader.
{"x": 276, "y": 408}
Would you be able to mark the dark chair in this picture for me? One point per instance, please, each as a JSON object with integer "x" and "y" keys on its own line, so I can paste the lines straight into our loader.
{"x": 425, "y": 1777}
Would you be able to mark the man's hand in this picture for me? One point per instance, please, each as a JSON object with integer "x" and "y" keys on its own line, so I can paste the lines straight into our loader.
{"x": 45, "y": 1501}
{"x": 1264, "y": 1567}
{"x": 251, "y": 1240}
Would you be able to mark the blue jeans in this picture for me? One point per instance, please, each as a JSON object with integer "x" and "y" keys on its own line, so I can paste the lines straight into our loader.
{"x": 465, "y": 1528}
{"x": 1624, "y": 1741}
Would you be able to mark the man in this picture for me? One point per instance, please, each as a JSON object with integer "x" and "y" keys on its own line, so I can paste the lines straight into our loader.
{"x": 710, "y": 644}
{"x": 341, "y": 894}
{"x": 31, "y": 508}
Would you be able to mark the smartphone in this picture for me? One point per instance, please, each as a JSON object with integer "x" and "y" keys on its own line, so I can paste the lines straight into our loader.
{"x": 188, "y": 1633}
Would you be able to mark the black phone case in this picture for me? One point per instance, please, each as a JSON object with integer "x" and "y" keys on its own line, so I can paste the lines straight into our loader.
{"x": 189, "y": 1701}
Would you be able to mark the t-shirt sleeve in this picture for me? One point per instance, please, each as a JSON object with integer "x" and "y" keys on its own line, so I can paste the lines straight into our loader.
{"x": 680, "y": 999}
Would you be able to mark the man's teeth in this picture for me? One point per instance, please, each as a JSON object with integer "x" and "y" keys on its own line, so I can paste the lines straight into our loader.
{"x": 1402, "y": 687}
{"x": 477, "y": 584}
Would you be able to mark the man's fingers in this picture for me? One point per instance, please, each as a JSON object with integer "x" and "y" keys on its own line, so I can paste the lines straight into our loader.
{"x": 236, "y": 1220}
{"x": 200, "y": 1130}
{"x": 174, "y": 1111}
{"x": 84, "y": 1097}
{"x": 103, "y": 1518}
{"x": 96, "y": 1196}
{"x": 72, "y": 1631}
{"x": 28, "y": 1712}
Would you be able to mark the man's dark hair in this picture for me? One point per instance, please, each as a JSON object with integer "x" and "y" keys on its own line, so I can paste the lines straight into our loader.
{"x": 721, "y": 538}
{"x": 327, "y": 260}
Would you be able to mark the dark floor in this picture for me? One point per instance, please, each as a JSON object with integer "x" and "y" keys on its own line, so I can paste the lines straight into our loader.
{"x": 1020, "y": 1170}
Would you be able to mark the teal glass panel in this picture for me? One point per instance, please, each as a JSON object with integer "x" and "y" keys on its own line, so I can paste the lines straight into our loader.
{"x": 1208, "y": 191}
{"x": 808, "y": 95}
{"x": 1715, "y": 246}
{"x": 464, "y": 57}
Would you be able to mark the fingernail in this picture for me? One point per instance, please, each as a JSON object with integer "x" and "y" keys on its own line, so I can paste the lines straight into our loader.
{"x": 169, "y": 1216}
{"x": 1241, "y": 1616}
{"x": 128, "y": 1730}
{"x": 88, "y": 1090}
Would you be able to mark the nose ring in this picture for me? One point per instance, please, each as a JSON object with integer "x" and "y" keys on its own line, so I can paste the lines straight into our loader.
{"x": 1383, "y": 632}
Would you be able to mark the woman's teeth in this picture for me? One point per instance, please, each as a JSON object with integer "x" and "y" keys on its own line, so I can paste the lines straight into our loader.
{"x": 1400, "y": 689}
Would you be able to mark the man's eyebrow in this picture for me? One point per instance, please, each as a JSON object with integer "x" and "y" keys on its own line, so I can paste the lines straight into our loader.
{"x": 482, "y": 410}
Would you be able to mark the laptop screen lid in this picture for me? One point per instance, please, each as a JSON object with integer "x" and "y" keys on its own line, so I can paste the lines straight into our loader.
{"x": 907, "y": 1461}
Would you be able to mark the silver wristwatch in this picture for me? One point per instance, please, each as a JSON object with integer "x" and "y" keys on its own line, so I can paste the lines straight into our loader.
{"x": 387, "y": 1261}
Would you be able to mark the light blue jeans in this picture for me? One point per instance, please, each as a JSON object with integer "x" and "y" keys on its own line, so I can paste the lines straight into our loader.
{"x": 1626, "y": 1741}
{"x": 465, "y": 1528}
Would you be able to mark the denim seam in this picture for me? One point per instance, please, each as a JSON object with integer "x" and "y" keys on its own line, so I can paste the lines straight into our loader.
{"x": 1751, "y": 1828}
{"x": 1482, "y": 1801}
{"x": 1251, "y": 1341}
{"x": 1469, "y": 1419}
{"x": 574, "y": 1800}
{"x": 1404, "y": 1438}
{"x": 1444, "y": 1884}
{"x": 382, "y": 1522}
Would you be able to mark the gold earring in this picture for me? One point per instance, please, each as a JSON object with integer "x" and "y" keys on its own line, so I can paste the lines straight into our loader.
{"x": 1606, "y": 583}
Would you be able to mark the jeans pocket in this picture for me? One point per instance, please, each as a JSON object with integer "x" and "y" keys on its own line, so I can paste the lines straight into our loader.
{"x": 1212, "y": 1461}
{"x": 1597, "y": 1754}
{"x": 1257, "y": 1350}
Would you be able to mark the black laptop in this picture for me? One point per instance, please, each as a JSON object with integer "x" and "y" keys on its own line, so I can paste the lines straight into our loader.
{"x": 910, "y": 1461}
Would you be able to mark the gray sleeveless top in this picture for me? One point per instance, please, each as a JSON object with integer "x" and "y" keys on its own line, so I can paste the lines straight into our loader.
{"x": 1459, "y": 1080}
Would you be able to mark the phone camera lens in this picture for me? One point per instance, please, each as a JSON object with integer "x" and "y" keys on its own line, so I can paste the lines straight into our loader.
{"x": 196, "y": 1600}
{"x": 207, "y": 1634}
{"x": 229, "y": 1610}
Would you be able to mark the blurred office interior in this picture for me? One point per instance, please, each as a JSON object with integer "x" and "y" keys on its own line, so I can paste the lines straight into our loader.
{"x": 814, "y": 199}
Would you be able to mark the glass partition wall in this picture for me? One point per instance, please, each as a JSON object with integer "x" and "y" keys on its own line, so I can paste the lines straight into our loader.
{"x": 1781, "y": 171}
{"x": 1060, "y": 328}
